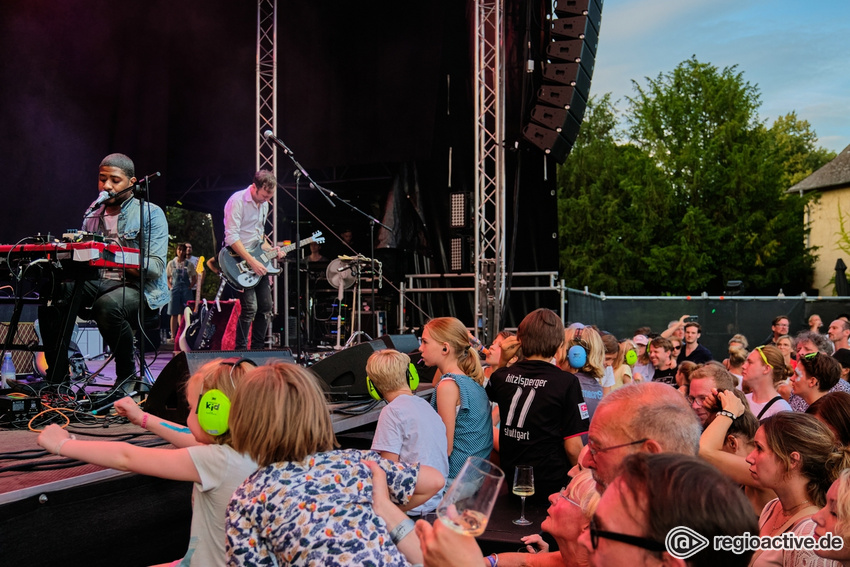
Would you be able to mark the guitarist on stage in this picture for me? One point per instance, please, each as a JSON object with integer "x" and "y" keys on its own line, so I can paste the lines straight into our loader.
{"x": 244, "y": 228}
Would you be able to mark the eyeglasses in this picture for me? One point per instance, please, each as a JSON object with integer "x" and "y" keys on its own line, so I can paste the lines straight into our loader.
{"x": 763, "y": 357}
{"x": 811, "y": 355}
{"x": 593, "y": 449}
{"x": 563, "y": 494}
{"x": 699, "y": 399}
{"x": 677, "y": 347}
{"x": 637, "y": 541}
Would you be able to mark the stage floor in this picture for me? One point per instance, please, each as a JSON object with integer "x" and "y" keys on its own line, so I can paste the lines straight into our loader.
{"x": 25, "y": 465}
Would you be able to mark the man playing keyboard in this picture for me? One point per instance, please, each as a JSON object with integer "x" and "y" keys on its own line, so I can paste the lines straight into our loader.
{"x": 115, "y": 296}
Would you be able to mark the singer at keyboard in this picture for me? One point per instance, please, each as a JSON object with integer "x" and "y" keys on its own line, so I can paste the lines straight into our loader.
{"x": 114, "y": 297}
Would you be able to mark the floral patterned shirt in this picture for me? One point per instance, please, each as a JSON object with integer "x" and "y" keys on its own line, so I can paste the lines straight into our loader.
{"x": 316, "y": 512}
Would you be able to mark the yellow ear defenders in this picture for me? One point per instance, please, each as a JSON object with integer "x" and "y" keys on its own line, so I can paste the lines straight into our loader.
{"x": 412, "y": 382}
{"x": 214, "y": 406}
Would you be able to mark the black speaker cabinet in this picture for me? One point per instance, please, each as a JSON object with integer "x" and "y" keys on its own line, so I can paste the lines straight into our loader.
{"x": 167, "y": 398}
{"x": 343, "y": 373}
{"x": 402, "y": 343}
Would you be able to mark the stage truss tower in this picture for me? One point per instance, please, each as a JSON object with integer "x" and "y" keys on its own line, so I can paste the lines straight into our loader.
{"x": 267, "y": 103}
{"x": 489, "y": 167}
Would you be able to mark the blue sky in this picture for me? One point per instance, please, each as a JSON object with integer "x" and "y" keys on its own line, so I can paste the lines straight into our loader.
{"x": 797, "y": 53}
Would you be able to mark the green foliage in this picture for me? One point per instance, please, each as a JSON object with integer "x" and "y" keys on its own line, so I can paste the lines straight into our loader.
{"x": 694, "y": 197}
{"x": 195, "y": 227}
{"x": 795, "y": 143}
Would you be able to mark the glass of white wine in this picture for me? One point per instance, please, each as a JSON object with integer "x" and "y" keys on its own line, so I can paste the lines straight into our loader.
{"x": 468, "y": 502}
{"x": 523, "y": 486}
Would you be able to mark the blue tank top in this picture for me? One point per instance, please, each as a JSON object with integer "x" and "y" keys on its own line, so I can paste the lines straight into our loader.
{"x": 473, "y": 424}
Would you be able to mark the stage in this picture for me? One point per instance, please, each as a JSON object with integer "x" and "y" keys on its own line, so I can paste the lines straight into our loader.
{"x": 55, "y": 510}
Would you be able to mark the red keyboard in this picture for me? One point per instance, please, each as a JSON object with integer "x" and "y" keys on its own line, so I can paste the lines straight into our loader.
{"x": 97, "y": 254}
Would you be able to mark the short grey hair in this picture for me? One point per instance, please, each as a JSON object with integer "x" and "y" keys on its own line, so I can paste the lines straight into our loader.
{"x": 821, "y": 342}
{"x": 659, "y": 412}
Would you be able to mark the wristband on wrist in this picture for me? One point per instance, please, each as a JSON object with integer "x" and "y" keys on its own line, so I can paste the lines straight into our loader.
{"x": 62, "y": 442}
{"x": 493, "y": 559}
{"x": 145, "y": 420}
{"x": 402, "y": 530}
{"x": 728, "y": 414}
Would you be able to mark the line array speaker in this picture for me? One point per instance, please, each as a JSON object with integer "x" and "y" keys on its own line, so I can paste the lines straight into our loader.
{"x": 566, "y": 75}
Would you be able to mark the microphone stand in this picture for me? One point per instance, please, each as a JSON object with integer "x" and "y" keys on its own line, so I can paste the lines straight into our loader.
{"x": 327, "y": 194}
{"x": 297, "y": 263}
{"x": 140, "y": 191}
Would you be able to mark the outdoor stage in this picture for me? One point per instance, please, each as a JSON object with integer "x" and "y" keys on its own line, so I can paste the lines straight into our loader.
{"x": 55, "y": 510}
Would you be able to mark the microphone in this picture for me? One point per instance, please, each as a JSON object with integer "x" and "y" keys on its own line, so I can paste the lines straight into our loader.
{"x": 104, "y": 196}
{"x": 269, "y": 135}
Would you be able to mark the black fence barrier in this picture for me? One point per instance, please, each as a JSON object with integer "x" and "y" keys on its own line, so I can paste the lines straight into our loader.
{"x": 719, "y": 317}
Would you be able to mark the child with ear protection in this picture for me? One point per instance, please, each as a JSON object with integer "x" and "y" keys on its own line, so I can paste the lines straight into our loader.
{"x": 408, "y": 429}
{"x": 213, "y": 465}
{"x": 586, "y": 360}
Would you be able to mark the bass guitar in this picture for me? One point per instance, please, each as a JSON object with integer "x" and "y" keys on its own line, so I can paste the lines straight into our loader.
{"x": 191, "y": 320}
{"x": 198, "y": 334}
{"x": 237, "y": 272}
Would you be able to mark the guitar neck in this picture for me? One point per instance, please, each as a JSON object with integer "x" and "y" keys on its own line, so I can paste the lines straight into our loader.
{"x": 290, "y": 247}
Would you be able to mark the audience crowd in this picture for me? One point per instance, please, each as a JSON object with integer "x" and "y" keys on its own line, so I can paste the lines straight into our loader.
{"x": 635, "y": 443}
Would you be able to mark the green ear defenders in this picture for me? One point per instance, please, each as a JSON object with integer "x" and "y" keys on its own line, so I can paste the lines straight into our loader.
{"x": 214, "y": 406}
{"x": 412, "y": 382}
{"x": 631, "y": 358}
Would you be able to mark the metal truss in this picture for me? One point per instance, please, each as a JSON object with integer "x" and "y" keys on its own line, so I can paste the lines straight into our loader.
{"x": 267, "y": 102}
{"x": 489, "y": 167}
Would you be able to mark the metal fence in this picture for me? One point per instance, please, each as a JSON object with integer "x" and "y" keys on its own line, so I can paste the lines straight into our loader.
{"x": 720, "y": 317}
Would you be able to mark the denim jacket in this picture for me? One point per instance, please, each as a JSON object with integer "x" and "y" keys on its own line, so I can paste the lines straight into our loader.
{"x": 156, "y": 245}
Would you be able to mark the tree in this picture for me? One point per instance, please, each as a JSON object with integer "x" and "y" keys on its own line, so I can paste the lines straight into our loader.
{"x": 694, "y": 197}
{"x": 795, "y": 142}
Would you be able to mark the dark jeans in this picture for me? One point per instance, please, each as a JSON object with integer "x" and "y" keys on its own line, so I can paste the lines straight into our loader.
{"x": 115, "y": 309}
{"x": 257, "y": 309}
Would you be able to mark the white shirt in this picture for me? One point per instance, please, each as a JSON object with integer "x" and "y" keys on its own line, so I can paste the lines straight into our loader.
{"x": 244, "y": 219}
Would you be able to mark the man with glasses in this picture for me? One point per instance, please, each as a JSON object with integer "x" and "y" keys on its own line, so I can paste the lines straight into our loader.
{"x": 694, "y": 351}
{"x": 711, "y": 375}
{"x": 643, "y": 418}
{"x": 655, "y": 494}
{"x": 244, "y": 229}
{"x": 779, "y": 327}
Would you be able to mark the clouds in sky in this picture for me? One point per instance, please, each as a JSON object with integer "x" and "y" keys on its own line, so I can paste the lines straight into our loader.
{"x": 796, "y": 53}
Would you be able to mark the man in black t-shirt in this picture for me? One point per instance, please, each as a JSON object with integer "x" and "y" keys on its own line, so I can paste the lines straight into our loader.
{"x": 661, "y": 356}
{"x": 691, "y": 349}
{"x": 543, "y": 413}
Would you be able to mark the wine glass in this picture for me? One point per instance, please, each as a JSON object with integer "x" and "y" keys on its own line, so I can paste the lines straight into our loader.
{"x": 523, "y": 486}
{"x": 468, "y": 502}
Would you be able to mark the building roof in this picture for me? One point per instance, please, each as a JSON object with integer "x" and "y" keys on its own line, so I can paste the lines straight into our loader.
{"x": 831, "y": 176}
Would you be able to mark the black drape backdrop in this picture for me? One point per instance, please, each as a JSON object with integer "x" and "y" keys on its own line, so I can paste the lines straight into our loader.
{"x": 366, "y": 93}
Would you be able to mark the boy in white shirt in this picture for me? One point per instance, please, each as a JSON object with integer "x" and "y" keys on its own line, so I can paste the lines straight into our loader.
{"x": 408, "y": 429}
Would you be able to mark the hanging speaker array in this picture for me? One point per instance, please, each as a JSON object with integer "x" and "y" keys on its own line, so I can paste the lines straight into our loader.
{"x": 567, "y": 71}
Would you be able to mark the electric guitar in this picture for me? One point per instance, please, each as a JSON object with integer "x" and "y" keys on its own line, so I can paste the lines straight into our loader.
{"x": 199, "y": 334}
{"x": 241, "y": 276}
{"x": 190, "y": 323}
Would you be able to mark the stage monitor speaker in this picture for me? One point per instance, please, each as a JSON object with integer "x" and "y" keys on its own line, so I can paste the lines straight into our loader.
{"x": 167, "y": 398}
{"x": 402, "y": 343}
{"x": 343, "y": 373}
